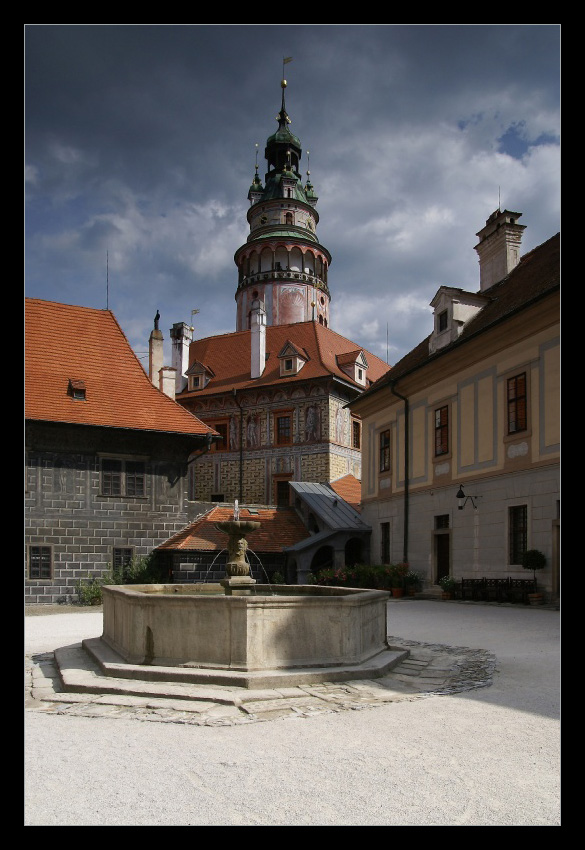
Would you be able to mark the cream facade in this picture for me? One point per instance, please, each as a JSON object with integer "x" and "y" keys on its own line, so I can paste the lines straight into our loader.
{"x": 481, "y": 413}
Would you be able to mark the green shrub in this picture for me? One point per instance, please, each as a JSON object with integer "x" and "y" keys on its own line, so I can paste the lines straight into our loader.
{"x": 367, "y": 576}
{"x": 89, "y": 592}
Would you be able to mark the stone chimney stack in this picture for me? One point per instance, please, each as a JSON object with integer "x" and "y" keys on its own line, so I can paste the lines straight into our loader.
{"x": 498, "y": 247}
{"x": 166, "y": 379}
{"x": 258, "y": 339}
{"x": 181, "y": 336}
{"x": 155, "y": 352}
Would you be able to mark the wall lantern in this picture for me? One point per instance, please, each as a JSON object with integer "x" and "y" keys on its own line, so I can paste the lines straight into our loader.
{"x": 462, "y": 499}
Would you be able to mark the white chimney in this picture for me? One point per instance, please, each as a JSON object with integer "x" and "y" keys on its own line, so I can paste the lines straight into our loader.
{"x": 155, "y": 352}
{"x": 258, "y": 339}
{"x": 166, "y": 378}
{"x": 498, "y": 247}
{"x": 181, "y": 336}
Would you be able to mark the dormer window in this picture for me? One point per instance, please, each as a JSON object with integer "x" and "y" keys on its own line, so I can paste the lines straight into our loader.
{"x": 354, "y": 364}
{"x": 292, "y": 360}
{"x": 77, "y": 388}
{"x": 198, "y": 376}
{"x": 452, "y": 309}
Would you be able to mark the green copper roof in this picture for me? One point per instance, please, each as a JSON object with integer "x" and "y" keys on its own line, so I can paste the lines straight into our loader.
{"x": 288, "y": 234}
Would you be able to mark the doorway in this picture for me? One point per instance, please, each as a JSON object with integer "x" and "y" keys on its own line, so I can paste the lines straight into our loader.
{"x": 442, "y": 555}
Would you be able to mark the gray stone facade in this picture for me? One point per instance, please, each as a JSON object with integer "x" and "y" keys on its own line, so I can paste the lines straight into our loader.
{"x": 77, "y": 526}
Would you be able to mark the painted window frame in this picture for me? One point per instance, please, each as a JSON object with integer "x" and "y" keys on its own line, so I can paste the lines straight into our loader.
{"x": 441, "y": 431}
{"x": 517, "y": 404}
{"x": 282, "y": 436}
{"x": 384, "y": 460}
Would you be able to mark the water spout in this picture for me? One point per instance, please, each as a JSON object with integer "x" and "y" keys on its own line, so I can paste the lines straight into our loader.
{"x": 236, "y": 510}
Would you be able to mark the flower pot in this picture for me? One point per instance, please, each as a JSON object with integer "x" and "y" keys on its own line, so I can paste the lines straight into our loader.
{"x": 446, "y": 595}
{"x": 411, "y": 591}
{"x": 536, "y": 598}
{"x": 397, "y": 592}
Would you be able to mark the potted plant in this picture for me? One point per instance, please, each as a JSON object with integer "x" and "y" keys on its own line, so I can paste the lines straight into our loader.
{"x": 412, "y": 582}
{"x": 399, "y": 572}
{"x": 448, "y": 585}
{"x": 534, "y": 560}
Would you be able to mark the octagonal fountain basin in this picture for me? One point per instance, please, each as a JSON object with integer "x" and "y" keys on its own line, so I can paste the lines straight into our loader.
{"x": 272, "y": 635}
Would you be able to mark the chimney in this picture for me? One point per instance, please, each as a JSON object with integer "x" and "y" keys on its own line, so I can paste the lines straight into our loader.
{"x": 166, "y": 381}
{"x": 498, "y": 247}
{"x": 155, "y": 352}
{"x": 257, "y": 339}
{"x": 181, "y": 336}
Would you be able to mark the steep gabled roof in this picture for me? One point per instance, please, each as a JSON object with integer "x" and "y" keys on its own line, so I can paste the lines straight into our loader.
{"x": 230, "y": 355}
{"x": 79, "y": 347}
{"x": 537, "y": 275}
{"x": 279, "y": 527}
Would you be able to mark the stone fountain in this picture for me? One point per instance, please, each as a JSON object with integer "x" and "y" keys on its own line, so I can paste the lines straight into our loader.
{"x": 238, "y": 580}
{"x": 241, "y": 633}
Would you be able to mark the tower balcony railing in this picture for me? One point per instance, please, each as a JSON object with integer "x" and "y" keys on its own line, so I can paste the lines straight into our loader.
{"x": 283, "y": 274}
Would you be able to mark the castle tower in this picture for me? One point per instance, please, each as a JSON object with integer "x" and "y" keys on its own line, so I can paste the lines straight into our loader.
{"x": 282, "y": 264}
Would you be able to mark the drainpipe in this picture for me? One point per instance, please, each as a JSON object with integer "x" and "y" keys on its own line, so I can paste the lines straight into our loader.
{"x": 406, "y": 451}
{"x": 241, "y": 498}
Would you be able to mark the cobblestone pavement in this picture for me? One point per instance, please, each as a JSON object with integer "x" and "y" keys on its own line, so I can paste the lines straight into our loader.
{"x": 429, "y": 670}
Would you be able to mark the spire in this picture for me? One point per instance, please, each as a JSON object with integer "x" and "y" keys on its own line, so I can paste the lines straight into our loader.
{"x": 256, "y": 189}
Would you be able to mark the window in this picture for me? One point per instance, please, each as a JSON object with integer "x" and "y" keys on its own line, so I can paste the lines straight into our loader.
{"x": 282, "y": 494}
{"x": 441, "y": 431}
{"x": 517, "y": 404}
{"x": 356, "y": 434}
{"x": 123, "y": 477}
{"x": 385, "y": 451}
{"x": 121, "y": 559}
{"x": 288, "y": 364}
{"x": 385, "y": 542}
{"x": 282, "y": 429}
{"x": 77, "y": 388}
{"x": 220, "y": 445}
{"x": 442, "y": 320}
{"x": 40, "y": 562}
{"x": 517, "y": 532}
{"x": 441, "y": 521}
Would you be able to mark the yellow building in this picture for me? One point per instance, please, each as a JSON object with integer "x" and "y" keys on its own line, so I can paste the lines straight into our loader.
{"x": 474, "y": 411}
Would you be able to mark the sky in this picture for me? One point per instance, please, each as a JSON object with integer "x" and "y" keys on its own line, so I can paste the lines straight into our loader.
{"x": 140, "y": 148}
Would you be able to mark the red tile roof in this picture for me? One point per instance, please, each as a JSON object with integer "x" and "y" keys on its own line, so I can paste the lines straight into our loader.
{"x": 68, "y": 346}
{"x": 279, "y": 528}
{"x": 349, "y": 489}
{"x": 229, "y": 355}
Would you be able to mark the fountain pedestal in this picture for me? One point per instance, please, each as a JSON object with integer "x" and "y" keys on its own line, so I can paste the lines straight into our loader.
{"x": 238, "y": 581}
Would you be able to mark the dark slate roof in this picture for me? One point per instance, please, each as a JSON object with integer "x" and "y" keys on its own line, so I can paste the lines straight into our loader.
{"x": 329, "y": 507}
{"x": 537, "y": 275}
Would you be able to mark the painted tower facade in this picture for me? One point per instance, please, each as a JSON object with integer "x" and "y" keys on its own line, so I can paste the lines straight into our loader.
{"x": 282, "y": 265}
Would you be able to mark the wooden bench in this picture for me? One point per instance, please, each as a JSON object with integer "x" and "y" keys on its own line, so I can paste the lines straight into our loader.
{"x": 497, "y": 589}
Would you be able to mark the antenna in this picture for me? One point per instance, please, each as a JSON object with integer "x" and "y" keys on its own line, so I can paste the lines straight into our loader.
{"x": 499, "y": 201}
{"x": 386, "y": 343}
{"x": 107, "y": 281}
